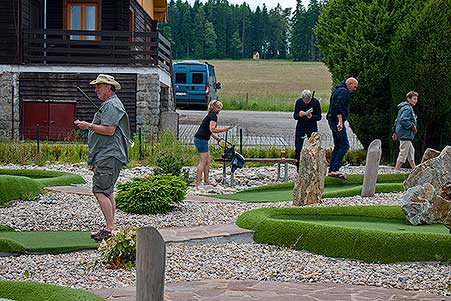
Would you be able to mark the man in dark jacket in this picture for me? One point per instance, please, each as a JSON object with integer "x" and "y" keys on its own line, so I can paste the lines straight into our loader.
{"x": 404, "y": 130}
{"x": 307, "y": 112}
{"x": 337, "y": 115}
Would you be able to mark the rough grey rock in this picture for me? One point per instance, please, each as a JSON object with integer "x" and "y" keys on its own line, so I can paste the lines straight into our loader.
{"x": 424, "y": 204}
{"x": 312, "y": 168}
{"x": 427, "y": 200}
{"x": 429, "y": 154}
{"x": 435, "y": 171}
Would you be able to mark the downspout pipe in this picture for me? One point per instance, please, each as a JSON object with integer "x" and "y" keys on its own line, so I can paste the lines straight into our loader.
{"x": 45, "y": 28}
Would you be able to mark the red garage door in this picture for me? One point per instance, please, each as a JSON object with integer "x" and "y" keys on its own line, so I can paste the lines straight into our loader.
{"x": 55, "y": 120}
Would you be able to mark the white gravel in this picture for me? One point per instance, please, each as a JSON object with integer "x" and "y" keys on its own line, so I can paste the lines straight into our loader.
{"x": 188, "y": 261}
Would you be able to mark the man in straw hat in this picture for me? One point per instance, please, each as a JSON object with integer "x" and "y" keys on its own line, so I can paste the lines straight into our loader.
{"x": 107, "y": 147}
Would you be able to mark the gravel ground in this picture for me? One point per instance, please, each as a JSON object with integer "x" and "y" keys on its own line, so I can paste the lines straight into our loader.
{"x": 231, "y": 260}
{"x": 187, "y": 261}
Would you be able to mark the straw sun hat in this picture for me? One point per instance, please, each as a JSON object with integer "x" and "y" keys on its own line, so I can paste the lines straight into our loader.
{"x": 106, "y": 79}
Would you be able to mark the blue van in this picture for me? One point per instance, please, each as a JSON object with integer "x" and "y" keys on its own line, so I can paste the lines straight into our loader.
{"x": 195, "y": 83}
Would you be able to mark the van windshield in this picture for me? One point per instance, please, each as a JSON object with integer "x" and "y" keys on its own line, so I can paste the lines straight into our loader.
{"x": 198, "y": 78}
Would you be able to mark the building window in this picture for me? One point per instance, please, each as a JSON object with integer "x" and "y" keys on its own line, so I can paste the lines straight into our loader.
{"x": 82, "y": 15}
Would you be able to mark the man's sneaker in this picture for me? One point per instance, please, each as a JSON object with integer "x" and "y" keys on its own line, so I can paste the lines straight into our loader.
{"x": 101, "y": 235}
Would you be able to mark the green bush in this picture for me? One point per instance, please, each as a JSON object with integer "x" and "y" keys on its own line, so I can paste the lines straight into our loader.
{"x": 151, "y": 195}
{"x": 119, "y": 251}
{"x": 421, "y": 60}
{"x": 355, "y": 38}
{"x": 168, "y": 162}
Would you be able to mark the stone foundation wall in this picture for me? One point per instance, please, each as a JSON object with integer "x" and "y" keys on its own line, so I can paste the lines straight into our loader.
{"x": 8, "y": 81}
{"x": 148, "y": 104}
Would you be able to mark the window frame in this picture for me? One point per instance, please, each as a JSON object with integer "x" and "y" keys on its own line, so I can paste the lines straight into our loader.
{"x": 83, "y": 3}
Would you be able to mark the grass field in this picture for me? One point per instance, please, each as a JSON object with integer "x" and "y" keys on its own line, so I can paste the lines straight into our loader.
{"x": 270, "y": 85}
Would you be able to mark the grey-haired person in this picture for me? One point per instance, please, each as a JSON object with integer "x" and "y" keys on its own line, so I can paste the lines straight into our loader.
{"x": 206, "y": 130}
{"x": 107, "y": 148}
{"x": 307, "y": 111}
{"x": 404, "y": 130}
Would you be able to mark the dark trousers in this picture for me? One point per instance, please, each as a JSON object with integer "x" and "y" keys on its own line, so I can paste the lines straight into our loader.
{"x": 341, "y": 146}
{"x": 299, "y": 141}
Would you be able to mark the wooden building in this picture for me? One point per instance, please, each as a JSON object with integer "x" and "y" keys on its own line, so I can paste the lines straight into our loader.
{"x": 49, "y": 47}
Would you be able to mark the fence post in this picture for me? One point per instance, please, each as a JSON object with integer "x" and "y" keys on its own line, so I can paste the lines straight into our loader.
{"x": 150, "y": 265}
{"x": 140, "y": 144}
{"x": 38, "y": 130}
{"x": 241, "y": 141}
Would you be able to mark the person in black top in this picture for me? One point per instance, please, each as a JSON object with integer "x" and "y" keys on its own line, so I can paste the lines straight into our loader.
{"x": 307, "y": 112}
{"x": 336, "y": 116}
{"x": 206, "y": 130}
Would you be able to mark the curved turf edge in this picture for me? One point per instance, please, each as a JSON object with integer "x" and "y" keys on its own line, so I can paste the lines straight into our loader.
{"x": 46, "y": 177}
{"x": 336, "y": 241}
{"x": 33, "y": 291}
{"x": 386, "y": 183}
{"x": 21, "y": 184}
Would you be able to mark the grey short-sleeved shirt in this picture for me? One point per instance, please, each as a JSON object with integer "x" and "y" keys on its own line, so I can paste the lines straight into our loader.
{"x": 100, "y": 147}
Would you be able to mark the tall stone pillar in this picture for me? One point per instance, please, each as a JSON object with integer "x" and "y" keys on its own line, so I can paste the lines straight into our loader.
{"x": 148, "y": 106}
{"x": 9, "y": 105}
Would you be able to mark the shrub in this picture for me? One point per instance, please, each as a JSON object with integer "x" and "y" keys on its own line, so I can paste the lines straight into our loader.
{"x": 358, "y": 44}
{"x": 151, "y": 195}
{"x": 168, "y": 162}
{"x": 420, "y": 61}
{"x": 119, "y": 251}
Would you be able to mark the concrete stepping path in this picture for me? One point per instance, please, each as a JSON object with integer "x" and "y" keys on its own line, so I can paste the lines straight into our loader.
{"x": 179, "y": 234}
{"x": 252, "y": 290}
{"x": 87, "y": 190}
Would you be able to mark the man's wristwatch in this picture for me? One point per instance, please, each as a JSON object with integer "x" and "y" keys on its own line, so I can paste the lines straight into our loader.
{"x": 90, "y": 126}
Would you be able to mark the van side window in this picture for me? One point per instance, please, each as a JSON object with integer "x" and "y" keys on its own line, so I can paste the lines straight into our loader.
{"x": 198, "y": 78}
{"x": 180, "y": 78}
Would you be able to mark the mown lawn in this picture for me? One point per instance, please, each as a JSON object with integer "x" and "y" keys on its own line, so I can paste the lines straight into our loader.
{"x": 270, "y": 85}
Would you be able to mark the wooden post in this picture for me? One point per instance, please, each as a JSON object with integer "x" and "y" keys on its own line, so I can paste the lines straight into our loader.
{"x": 150, "y": 265}
{"x": 373, "y": 157}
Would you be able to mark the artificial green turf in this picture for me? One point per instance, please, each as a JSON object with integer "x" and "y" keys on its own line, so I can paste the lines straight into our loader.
{"x": 333, "y": 188}
{"x": 45, "y": 242}
{"x": 24, "y": 184}
{"x": 16, "y": 187}
{"x": 32, "y": 291}
{"x": 6, "y": 228}
{"x": 368, "y": 233}
{"x": 46, "y": 177}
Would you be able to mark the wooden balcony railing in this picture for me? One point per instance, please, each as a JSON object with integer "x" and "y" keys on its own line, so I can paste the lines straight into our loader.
{"x": 78, "y": 47}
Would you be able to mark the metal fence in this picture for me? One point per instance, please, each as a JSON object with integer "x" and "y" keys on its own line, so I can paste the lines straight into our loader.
{"x": 242, "y": 137}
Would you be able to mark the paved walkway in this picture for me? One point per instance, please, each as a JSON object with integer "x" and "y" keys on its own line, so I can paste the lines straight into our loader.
{"x": 179, "y": 234}
{"x": 87, "y": 190}
{"x": 251, "y": 290}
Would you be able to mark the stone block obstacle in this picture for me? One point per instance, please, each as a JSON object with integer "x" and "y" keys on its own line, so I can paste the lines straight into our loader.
{"x": 373, "y": 158}
{"x": 150, "y": 265}
{"x": 309, "y": 184}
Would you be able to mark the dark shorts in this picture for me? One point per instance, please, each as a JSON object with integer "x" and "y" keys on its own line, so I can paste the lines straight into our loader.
{"x": 201, "y": 145}
{"x": 105, "y": 176}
